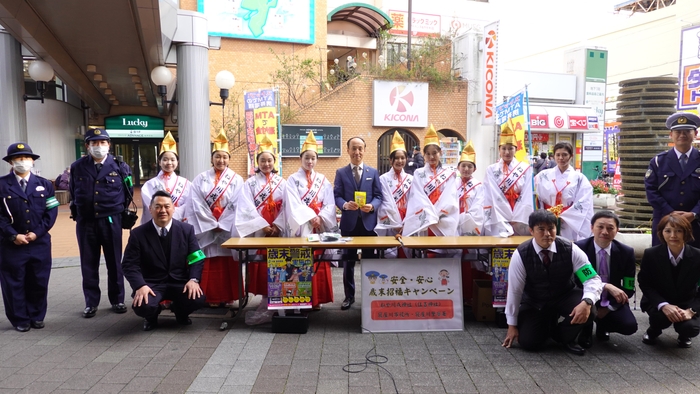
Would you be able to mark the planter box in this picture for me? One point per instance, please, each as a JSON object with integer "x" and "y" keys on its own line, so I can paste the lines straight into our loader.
{"x": 604, "y": 200}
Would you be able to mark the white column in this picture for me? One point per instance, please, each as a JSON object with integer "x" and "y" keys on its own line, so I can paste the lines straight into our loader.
{"x": 192, "y": 42}
{"x": 13, "y": 113}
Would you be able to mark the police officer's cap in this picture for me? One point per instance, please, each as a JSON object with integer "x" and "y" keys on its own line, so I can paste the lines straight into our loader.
{"x": 19, "y": 149}
{"x": 96, "y": 135}
{"x": 683, "y": 121}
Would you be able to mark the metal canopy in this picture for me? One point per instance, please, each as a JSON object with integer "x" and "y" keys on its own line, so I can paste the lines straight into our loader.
{"x": 644, "y": 5}
{"x": 368, "y": 17}
{"x": 112, "y": 35}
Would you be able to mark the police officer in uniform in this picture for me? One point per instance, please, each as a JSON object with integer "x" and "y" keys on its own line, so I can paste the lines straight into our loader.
{"x": 28, "y": 213}
{"x": 98, "y": 187}
{"x": 673, "y": 179}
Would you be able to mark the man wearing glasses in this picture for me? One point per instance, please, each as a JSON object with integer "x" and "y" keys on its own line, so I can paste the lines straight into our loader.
{"x": 672, "y": 181}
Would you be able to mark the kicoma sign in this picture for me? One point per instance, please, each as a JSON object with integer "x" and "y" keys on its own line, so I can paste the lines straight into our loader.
{"x": 135, "y": 126}
{"x": 400, "y": 103}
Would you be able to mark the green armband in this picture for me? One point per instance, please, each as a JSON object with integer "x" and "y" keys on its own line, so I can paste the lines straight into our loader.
{"x": 128, "y": 181}
{"x": 628, "y": 283}
{"x": 586, "y": 272}
{"x": 195, "y": 257}
{"x": 51, "y": 203}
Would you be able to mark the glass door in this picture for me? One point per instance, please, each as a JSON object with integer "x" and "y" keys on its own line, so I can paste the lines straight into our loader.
{"x": 148, "y": 161}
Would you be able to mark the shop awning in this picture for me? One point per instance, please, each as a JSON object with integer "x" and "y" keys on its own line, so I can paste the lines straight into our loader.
{"x": 563, "y": 119}
{"x": 368, "y": 17}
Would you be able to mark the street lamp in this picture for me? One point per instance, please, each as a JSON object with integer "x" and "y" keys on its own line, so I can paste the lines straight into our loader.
{"x": 162, "y": 77}
{"x": 225, "y": 81}
{"x": 42, "y": 73}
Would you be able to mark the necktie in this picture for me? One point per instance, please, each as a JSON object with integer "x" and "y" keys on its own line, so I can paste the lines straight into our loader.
{"x": 23, "y": 185}
{"x": 356, "y": 170}
{"x": 603, "y": 273}
{"x": 98, "y": 166}
{"x": 683, "y": 161}
{"x": 545, "y": 258}
{"x": 163, "y": 232}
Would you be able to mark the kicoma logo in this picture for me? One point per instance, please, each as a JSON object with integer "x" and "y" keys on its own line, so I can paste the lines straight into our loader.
{"x": 490, "y": 39}
{"x": 401, "y": 98}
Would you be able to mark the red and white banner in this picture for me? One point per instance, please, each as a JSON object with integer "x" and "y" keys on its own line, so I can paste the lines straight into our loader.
{"x": 488, "y": 77}
{"x": 689, "y": 73}
{"x": 409, "y": 295}
{"x": 557, "y": 118}
{"x": 400, "y": 103}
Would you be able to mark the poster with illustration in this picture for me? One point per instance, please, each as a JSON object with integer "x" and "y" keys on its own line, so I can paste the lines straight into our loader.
{"x": 289, "y": 272}
{"x": 400, "y": 295}
{"x": 500, "y": 260}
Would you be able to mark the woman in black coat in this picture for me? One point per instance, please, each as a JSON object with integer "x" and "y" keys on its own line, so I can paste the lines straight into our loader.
{"x": 668, "y": 279}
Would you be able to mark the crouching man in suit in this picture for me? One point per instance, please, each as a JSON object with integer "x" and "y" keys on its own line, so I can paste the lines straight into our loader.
{"x": 163, "y": 261}
{"x": 615, "y": 264}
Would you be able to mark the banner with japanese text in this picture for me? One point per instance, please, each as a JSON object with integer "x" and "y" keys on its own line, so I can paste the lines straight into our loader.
{"x": 500, "y": 261}
{"x": 289, "y": 272}
{"x": 512, "y": 114}
{"x": 260, "y": 119}
{"x": 412, "y": 295}
{"x": 689, "y": 73}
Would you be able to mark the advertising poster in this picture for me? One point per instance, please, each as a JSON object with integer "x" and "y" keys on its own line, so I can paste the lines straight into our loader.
{"x": 422, "y": 25}
{"x": 400, "y": 295}
{"x": 289, "y": 272}
{"x": 689, "y": 73}
{"x": 489, "y": 68}
{"x": 512, "y": 113}
{"x": 612, "y": 132}
{"x": 270, "y": 20}
{"x": 399, "y": 103}
{"x": 260, "y": 119}
{"x": 500, "y": 260}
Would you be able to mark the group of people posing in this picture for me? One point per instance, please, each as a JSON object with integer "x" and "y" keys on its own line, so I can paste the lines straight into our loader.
{"x": 176, "y": 253}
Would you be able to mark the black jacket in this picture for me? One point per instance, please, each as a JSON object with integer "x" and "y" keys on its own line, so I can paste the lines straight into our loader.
{"x": 656, "y": 279}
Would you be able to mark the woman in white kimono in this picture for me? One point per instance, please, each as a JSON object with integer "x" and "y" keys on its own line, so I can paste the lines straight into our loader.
{"x": 564, "y": 190}
{"x": 439, "y": 184}
{"x": 396, "y": 186}
{"x": 310, "y": 208}
{"x": 213, "y": 212}
{"x": 265, "y": 192}
{"x": 470, "y": 192}
{"x": 508, "y": 185}
{"x": 167, "y": 180}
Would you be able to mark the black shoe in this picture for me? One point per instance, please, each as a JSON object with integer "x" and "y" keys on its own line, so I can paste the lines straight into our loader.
{"x": 574, "y": 348}
{"x": 90, "y": 311}
{"x": 183, "y": 320}
{"x": 119, "y": 308}
{"x": 346, "y": 303}
{"x": 602, "y": 335}
{"x": 649, "y": 339}
{"x": 684, "y": 342}
{"x": 39, "y": 324}
{"x": 585, "y": 340}
{"x": 22, "y": 328}
{"x": 149, "y": 325}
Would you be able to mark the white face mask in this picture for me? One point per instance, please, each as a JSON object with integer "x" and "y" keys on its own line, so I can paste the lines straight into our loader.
{"x": 22, "y": 166}
{"x": 99, "y": 152}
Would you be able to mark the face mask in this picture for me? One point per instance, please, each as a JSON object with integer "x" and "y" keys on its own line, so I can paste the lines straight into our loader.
{"x": 22, "y": 166}
{"x": 99, "y": 152}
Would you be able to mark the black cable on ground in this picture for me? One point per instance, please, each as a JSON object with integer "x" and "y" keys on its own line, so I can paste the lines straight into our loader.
{"x": 375, "y": 359}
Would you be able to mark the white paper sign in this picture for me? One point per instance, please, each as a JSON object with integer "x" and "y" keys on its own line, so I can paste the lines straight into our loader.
{"x": 412, "y": 295}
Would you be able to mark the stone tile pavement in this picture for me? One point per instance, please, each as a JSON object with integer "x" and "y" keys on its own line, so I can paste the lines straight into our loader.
{"x": 109, "y": 353}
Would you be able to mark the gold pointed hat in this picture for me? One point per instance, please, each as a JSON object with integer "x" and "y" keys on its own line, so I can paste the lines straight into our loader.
{"x": 468, "y": 153}
{"x": 168, "y": 144}
{"x": 507, "y": 135}
{"x": 221, "y": 142}
{"x": 431, "y": 137}
{"x": 265, "y": 145}
{"x": 397, "y": 142}
{"x": 310, "y": 143}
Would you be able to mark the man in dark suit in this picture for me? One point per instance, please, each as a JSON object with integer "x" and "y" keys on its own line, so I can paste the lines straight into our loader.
{"x": 163, "y": 261}
{"x": 356, "y": 220}
{"x": 99, "y": 186}
{"x": 615, "y": 264}
{"x": 668, "y": 278}
{"x": 417, "y": 161}
{"x": 29, "y": 211}
{"x": 672, "y": 181}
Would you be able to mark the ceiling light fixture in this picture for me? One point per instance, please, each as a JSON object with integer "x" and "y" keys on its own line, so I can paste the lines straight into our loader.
{"x": 133, "y": 71}
{"x": 91, "y": 68}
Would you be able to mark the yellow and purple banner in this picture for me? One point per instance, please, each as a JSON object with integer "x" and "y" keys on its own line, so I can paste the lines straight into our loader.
{"x": 260, "y": 119}
{"x": 289, "y": 278}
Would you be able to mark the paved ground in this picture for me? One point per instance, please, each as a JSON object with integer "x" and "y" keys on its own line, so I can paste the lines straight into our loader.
{"x": 110, "y": 354}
